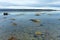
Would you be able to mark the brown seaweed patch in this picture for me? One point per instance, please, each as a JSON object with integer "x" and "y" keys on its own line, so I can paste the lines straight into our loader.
{"x": 35, "y": 20}
{"x": 12, "y": 38}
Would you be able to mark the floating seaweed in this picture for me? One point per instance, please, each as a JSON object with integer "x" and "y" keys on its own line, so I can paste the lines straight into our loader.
{"x": 12, "y": 38}
{"x": 35, "y": 20}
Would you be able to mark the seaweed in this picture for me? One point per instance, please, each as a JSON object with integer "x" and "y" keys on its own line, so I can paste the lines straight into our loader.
{"x": 35, "y": 20}
{"x": 12, "y": 38}
{"x": 14, "y": 24}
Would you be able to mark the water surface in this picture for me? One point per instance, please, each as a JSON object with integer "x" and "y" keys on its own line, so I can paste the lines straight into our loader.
{"x": 19, "y": 25}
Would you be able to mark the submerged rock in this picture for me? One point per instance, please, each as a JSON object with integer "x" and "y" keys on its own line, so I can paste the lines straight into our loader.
{"x": 58, "y": 19}
{"x": 4, "y": 17}
{"x": 35, "y": 20}
{"x": 14, "y": 24}
{"x": 37, "y": 14}
{"x": 50, "y": 14}
{"x": 58, "y": 36}
{"x": 41, "y": 25}
{"x": 35, "y": 36}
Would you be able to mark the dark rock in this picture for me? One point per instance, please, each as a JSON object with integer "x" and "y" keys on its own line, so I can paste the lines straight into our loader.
{"x": 5, "y": 13}
{"x": 35, "y": 35}
{"x": 37, "y": 14}
{"x": 41, "y": 24}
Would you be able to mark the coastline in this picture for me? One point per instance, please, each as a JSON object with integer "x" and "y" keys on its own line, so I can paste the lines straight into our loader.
{"x": 28, "y": 10}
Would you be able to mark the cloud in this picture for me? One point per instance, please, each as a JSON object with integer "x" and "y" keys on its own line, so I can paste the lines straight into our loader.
{"x": 29, "y": 3}
{"x": 21, "y": 2}
{"x": 27, "y": 7}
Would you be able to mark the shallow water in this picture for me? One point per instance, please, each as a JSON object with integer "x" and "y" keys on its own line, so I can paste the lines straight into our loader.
{"x": 19, "y": 25}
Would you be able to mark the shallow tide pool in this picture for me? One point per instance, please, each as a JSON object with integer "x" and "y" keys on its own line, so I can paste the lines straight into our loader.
{"x": 30, "y": 25}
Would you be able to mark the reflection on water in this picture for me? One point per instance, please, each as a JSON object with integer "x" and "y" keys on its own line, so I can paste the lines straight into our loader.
{"x": 30, "y": 26}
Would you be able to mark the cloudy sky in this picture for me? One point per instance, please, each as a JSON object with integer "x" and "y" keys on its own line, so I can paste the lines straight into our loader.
{"x": 30, "y": 4}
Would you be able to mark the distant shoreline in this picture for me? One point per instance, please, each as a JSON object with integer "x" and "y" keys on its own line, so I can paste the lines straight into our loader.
{"x": 28, "y": 10}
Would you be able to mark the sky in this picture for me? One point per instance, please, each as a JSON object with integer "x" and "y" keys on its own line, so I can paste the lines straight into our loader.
{"x": 22, "y": 4}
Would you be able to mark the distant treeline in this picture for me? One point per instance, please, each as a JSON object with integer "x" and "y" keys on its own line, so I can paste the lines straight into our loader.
{"x": 27, "y": 10}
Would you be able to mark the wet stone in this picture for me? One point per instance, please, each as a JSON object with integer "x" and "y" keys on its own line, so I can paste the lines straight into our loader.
{"x": 5, "y": 13}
